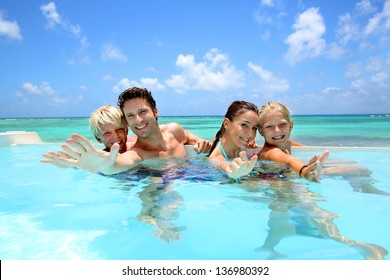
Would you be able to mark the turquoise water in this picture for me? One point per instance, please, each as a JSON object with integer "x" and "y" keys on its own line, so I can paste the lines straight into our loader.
{"x": 329, "y": 130}
{"x": 186, "y": 209}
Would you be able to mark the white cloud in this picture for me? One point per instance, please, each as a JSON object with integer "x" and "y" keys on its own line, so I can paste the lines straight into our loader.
{"x": 107, "y": 77}
{"x": 151, "y": 84}
{"x": 374, "y": 64}
{"x": 83, "y": 88}
{"x": 306, "y": 41}
{"x": 269, "y": 3}
{"x": 52, "y": 16}
{"x": 347, "y": 29}
{"x": 335, "y": 51}
{"x": 55, "y": 20}
{"x": 44, "y": 89}
{"x": 269, "y": 83}
{"x": 351, "y": 28}
{"x": 10, "y": 29}
{"x": 265, "y": 36}
{"x": 262, "y": 18}
{"x": 362, "y": 96}
{"x": 110, "y": 52}
{"x": 382, "y": 81}
{"x": 215, "y": 73}
{"x": 353, "y": 70}
{"x": 365, "y": 7}
{"x": 43, "y": 93}
{"x": 380, "y": 21}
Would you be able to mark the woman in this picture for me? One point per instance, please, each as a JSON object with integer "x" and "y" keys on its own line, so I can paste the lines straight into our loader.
{"x": 237, "y": 131}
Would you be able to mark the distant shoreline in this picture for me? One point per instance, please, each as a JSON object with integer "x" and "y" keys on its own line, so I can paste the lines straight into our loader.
{"x": 204, "y": 116}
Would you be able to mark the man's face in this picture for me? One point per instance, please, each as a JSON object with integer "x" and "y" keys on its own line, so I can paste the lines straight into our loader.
{"x": 110, "y": 134}
{"x": 140, "y": 117}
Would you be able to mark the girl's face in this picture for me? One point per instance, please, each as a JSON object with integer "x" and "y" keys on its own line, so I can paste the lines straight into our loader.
{"x": 275, "y": 128}
{"x": 242, "y": 130}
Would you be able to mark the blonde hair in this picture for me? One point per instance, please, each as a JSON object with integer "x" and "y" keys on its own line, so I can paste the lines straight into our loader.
{"x": 107, "y": 114}
{"x": 274, "y": 106}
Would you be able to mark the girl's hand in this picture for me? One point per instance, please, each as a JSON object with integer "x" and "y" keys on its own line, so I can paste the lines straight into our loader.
{"x": 314, "y": 168}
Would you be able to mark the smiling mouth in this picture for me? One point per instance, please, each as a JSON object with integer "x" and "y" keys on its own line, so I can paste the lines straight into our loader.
{"x": 141, "y": 127}
{"x": 280, "y": 137}
{"x": 246, "y": 140}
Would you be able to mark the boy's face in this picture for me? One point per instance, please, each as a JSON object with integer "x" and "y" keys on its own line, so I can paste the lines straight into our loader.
{"x": 275, "y": 128}
{"x": 140, "y": 117}
{"x": 110, "y": 134}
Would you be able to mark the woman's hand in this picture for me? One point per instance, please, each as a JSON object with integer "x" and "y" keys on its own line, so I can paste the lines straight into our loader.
{"x": 241, "y": 166}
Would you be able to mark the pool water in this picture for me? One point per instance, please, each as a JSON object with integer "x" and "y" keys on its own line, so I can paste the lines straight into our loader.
{"x": 186, "y": 209}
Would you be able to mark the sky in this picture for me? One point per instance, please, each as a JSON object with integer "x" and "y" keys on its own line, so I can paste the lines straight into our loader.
{"x": 66, "y": 58}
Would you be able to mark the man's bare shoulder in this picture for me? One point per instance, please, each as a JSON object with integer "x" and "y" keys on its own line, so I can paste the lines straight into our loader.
{"x": 172, "y": 127}
{"x": 174, "y": 130}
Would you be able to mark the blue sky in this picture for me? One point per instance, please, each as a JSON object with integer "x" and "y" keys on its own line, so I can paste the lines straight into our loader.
{"x": 67, "y": 58}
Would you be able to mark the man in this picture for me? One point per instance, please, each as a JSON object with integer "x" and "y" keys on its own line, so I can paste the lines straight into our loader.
{"x": 153, "y": 140}
{"x": 109, "y": 126}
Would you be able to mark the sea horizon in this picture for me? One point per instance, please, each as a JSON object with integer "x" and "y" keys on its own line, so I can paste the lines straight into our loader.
{"x": 358, "y": 130}
{"x": 195, "y": 116}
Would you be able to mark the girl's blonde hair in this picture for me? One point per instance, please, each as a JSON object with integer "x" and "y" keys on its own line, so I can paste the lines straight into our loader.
{"x": 107, "y": 114}
{"x": 274, "y": 106}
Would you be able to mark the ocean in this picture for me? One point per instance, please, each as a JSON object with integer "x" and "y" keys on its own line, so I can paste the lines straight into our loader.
{"x": 314, "y": 130}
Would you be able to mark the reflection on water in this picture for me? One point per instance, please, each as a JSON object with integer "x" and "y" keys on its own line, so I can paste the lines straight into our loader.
{"x": 294, "y": 212}
{"x": 358, "y": 177}
{"x": 294, "y": 209}
{"x": 159, "y": 199}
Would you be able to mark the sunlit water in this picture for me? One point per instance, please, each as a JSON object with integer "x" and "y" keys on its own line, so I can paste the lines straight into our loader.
{"x": 186, "y": 209}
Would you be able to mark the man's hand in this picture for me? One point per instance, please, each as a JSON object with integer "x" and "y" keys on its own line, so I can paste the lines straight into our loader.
{"x": 202, "y": 146}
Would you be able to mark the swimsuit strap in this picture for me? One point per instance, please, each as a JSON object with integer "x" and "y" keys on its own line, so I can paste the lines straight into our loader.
{"x": 222, "y": 150}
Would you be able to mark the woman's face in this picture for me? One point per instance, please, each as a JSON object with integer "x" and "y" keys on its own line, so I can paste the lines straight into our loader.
{"x": 242, "y": 130}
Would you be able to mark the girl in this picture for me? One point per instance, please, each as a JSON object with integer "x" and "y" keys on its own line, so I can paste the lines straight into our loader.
{"x": 238, "y": 131}
{"x": 275, "y": 126}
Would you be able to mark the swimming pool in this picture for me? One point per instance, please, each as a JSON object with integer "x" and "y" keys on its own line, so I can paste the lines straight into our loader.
{"x": 187, "y": 210}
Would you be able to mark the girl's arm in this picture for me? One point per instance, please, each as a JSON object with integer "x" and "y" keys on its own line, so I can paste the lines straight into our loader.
{"x": 309, "y": 171}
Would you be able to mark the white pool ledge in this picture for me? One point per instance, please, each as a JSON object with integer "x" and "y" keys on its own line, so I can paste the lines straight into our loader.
{"x": 12, "y": 138}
